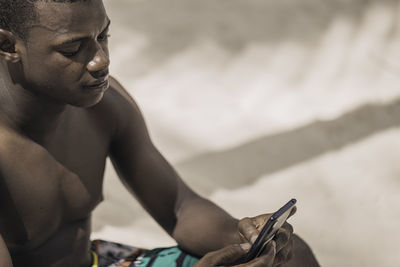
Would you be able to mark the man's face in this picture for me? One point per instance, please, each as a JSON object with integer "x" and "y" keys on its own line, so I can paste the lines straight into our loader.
{"x": 65, "y": 54}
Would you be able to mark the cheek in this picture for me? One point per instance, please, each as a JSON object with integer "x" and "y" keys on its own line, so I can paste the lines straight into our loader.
{"x": 57, "y": 70}
{"x": 67, "y": 68}
{"x": 71, "y": 71}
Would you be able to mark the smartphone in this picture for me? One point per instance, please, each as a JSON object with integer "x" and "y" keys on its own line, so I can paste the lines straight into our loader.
{"x": 269, "y": 230}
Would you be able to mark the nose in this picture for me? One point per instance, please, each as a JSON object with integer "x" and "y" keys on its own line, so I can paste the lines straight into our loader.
{"x": 98, "y": 66}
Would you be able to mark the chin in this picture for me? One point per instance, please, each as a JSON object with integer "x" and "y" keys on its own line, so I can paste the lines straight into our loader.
{"x": 88, "y": 102}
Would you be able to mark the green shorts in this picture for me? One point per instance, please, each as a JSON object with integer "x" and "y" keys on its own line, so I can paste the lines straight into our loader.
{"x": 110, "y": 254}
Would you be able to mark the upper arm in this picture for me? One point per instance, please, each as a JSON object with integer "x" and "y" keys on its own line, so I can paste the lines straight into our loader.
{"x": 141, "y": 166}
{"x": 5, "y": 259}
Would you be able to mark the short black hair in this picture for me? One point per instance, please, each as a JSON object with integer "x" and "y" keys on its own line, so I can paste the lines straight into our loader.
{"x": 16, "y": 15}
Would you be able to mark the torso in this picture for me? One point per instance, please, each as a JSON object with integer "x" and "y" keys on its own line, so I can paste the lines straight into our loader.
{"x": 48, "y": 189}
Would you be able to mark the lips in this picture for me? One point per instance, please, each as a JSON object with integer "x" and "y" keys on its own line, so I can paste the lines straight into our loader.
{"x": 103, "y": 84}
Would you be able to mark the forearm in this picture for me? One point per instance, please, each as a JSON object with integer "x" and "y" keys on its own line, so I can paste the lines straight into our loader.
{"x": 202, "y": 227}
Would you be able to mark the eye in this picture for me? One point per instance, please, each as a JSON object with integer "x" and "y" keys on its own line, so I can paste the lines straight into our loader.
{"x": 103, "y": 37}
{"x": 70, "y": 50}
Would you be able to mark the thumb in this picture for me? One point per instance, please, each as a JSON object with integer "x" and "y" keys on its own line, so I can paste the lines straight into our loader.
{"x": 266, "y": 260}
{"x": 229, "y": 254}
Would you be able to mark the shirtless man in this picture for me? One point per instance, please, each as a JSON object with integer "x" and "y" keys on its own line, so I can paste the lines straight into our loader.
{"x": 61, "y": 116}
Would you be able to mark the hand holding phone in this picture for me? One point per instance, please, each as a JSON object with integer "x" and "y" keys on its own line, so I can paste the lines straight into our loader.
{"x": 270, "y": 228}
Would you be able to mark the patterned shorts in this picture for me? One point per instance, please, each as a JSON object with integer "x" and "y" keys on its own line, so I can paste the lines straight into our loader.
{"x": 110, "y": 254}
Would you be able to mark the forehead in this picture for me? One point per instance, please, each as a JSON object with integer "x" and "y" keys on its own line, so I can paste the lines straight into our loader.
{"x": 68, "y": 18}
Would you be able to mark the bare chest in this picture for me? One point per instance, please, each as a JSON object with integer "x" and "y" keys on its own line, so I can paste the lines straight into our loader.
{"x": 63, "y": 184}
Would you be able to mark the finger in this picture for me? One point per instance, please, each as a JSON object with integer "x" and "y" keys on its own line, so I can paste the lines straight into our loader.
{"x": 228, "y": 254}
{"x": 289, "y": 227}
{"x": 283, "y": 236}
{"x": 260, "y": 220}
{"x": 290, "y": 255}
{"x": 267, "y": 260}
{"x": 281, "y": 256}
{"x": 292, "y": 212}
{"x": 248, "y": 229}
{"x": 285, "y": 254}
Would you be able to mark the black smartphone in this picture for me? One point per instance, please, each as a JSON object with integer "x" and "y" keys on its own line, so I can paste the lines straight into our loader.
{"x": 269, "y": 230}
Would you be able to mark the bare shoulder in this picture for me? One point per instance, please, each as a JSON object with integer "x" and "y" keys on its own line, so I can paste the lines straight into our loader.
{"x": 117, "y": 97}
{"x": 12, "y": 143}
{"x": 120, "y": 90}
{"x": 120, "y": 108}
{"x": 16, "y": 148}
{"x": 9, "y": 146}
{"x": 5, "y": 259}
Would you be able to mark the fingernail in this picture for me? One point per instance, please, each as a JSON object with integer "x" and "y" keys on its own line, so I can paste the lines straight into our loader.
{"x": 253, "y": 238}
{"x": 245, "y": 246}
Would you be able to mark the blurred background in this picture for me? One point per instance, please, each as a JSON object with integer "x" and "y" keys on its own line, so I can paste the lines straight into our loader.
{"x": 258, "y": 101}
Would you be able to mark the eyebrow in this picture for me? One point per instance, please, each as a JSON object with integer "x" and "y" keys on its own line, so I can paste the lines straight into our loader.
{"x": 78, "y": 39}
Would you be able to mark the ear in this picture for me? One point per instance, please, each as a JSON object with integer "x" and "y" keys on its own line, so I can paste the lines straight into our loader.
{"x": 7, "y": 46}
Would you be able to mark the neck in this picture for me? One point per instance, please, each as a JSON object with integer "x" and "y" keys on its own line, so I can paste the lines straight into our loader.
{"x": 32, "y": 114}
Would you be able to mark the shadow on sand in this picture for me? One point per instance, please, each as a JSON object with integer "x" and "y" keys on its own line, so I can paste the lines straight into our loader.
{"x": 245, "y": 164}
